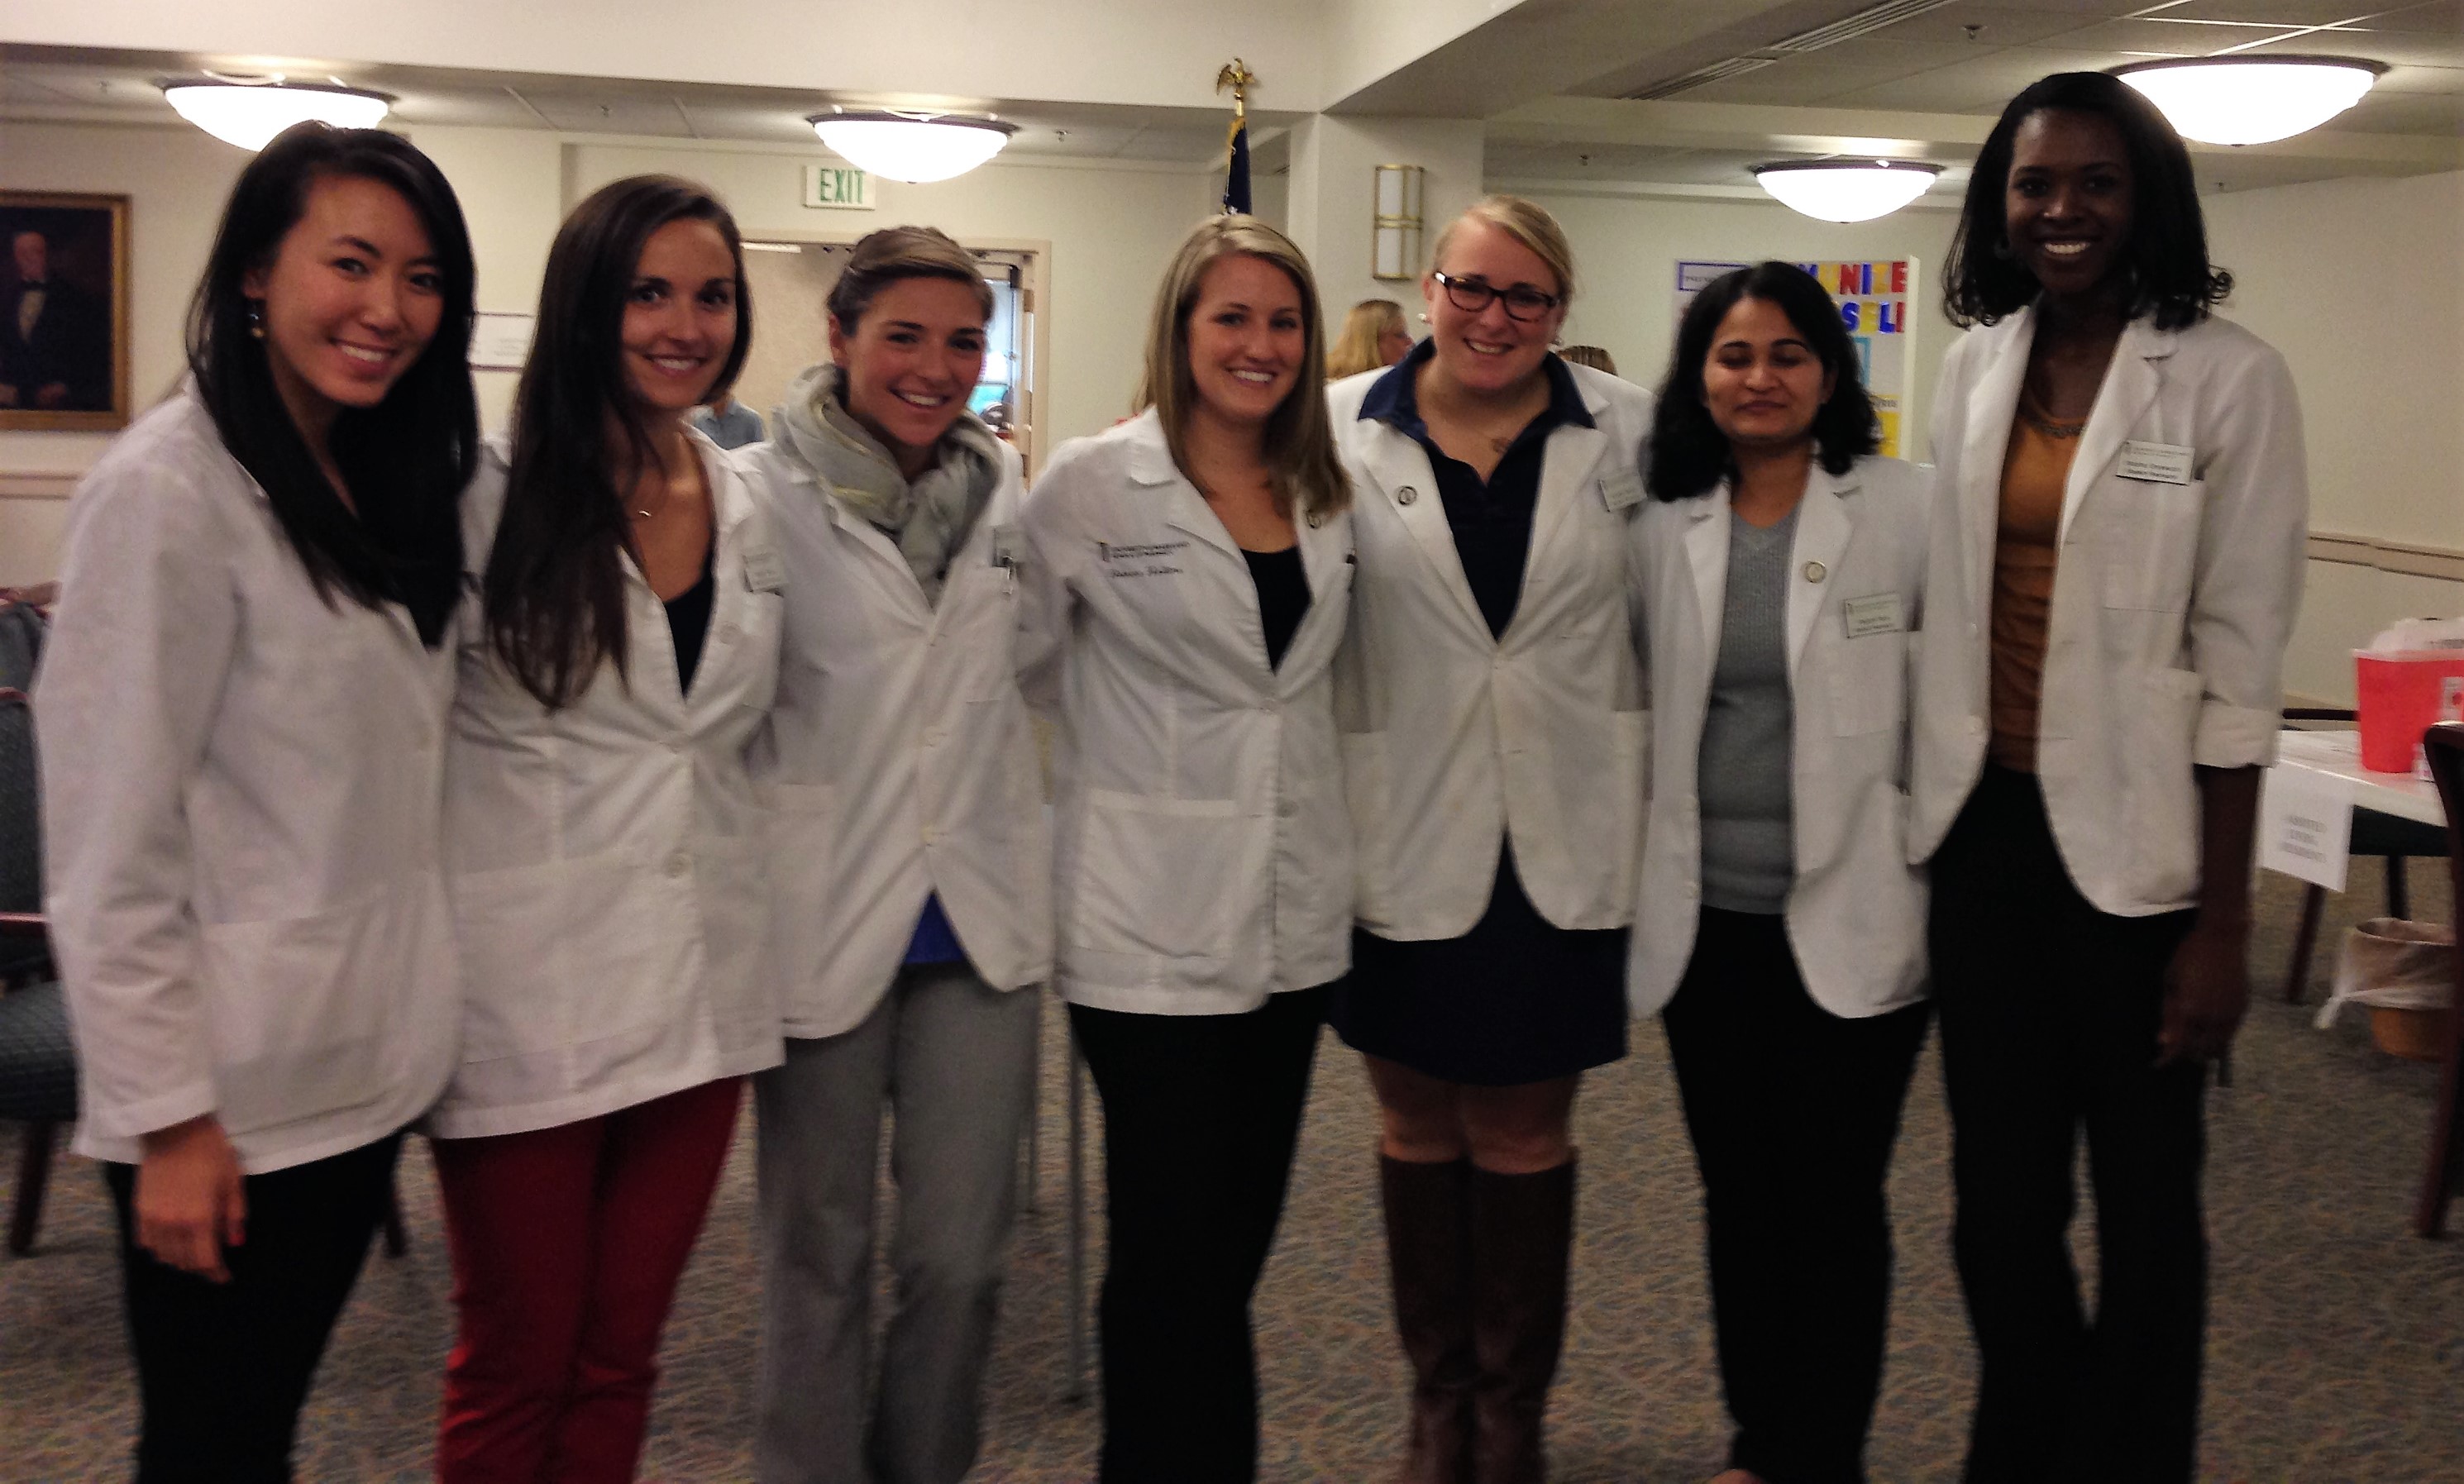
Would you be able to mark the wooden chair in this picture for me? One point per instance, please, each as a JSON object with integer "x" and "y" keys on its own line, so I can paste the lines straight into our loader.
{"x": 2443, "y": 1179}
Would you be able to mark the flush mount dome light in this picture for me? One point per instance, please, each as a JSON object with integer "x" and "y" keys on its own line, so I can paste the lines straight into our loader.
{"x": 1846, "y": 191}
{"x": 914, "y": 147}
{"x": 2250, "y": 99}
{"x": 248, "y": 112}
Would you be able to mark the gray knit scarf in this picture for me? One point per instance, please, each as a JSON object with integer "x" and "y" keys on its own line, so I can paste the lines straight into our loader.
{"x": 928, "y": 517}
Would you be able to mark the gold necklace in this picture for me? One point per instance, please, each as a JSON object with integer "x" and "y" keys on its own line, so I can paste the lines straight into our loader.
{"x": 2032, "y": 413}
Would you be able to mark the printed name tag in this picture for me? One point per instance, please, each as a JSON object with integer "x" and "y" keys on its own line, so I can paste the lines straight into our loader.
{"x": 2157, "y": 463}
{"x": 1879, "y": 613}
{"x": 764, "y": 571}
{"x": 1621, "y": 491}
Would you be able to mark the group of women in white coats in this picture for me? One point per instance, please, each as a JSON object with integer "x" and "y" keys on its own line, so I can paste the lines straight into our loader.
{"x": 549, "y": 790}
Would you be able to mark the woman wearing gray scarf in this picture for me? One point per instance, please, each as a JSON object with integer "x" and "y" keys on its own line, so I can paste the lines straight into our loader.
{"x": 910, "y": 874}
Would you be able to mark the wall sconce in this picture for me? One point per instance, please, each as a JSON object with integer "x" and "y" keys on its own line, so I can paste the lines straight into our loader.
{"x": 1394, "y": 242}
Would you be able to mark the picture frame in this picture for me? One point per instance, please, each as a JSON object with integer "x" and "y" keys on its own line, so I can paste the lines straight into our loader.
{"x": 64, "y": 355}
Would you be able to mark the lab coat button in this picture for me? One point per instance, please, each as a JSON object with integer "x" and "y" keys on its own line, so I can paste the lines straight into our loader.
{"x": 728, "y": 633}
{"x": 1975, "y": 725}
{"x": 679, "y": 863}
{"x": 1816, "y": 572}
{"x": 1316, "y": 518}
{"x": 1406, "y": 495}
{"x": 932, "y": 834}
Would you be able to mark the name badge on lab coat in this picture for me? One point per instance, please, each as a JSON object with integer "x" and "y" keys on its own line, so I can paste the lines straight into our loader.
{"x": 764, "y": 571}
{"x": 1879, "y": 613}
{"x": 1003, "y": 546}
{"x": 2157, "y": 463}
{"x": 1621, "y": 491}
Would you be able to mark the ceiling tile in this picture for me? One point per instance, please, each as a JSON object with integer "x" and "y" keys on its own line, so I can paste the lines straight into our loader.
{"x": 2435, "y": 18}
{"x": 2403, "y": 48}
{"x": 1810, "y": 81}
{"x": 2163, "y": 38}
{"x": 2449, "y": 80}
{"x": 1885, "y": 50}
{"x": 2279, "y": 12}
{"x": 1996, "y": 25}
{"x": 652, "y": 114}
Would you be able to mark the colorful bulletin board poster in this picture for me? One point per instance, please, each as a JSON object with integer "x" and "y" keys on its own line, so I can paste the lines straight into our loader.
{"x": 1874, "y": 301}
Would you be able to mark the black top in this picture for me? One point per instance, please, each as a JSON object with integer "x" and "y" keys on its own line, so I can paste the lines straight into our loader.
{"x": 1491, "y": 522}
{"x": 689, "y": 621}
{"x": 1283, "y": 597}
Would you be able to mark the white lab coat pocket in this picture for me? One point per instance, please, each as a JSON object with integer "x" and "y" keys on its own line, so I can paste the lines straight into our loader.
{"x": 801, "y": 839}
{"x": 2162, "y": 810}
{"x": 1164, "y": 878}
{"x": 299, "y": 1010}
{"x": 2152, "y": 543}
{"x": 1868, "y": 679}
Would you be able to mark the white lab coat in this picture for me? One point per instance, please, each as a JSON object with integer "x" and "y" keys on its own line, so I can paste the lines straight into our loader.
{"x": 2171, "y": 602}
{"x": 606, "y": 861}
{"x": 1455, "y": 739}
{"x": 1855, "y": 911}
{"x": 897, "y": 758}
{"x": 240, "y": 795}
{"x": 1202, "y": 856}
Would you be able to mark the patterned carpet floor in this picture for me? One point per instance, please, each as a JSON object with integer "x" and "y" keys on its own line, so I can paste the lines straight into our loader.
{"x": 2336, "y": 1352}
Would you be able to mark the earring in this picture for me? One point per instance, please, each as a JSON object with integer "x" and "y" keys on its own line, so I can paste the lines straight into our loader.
{"x": 1423, "y": 317}
{"x": 256, "y": 318}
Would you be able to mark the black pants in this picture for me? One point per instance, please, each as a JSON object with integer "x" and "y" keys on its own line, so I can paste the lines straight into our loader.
{"x": 2050, "y": 1011}
{"x": 1201, "y": 1117}
{"x": 1793, "y": 1111}
{"x": 221, "y": 1368}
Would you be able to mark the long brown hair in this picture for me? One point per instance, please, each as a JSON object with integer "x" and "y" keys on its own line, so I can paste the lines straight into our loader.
{"x": 1300, "y": 443}
{"x": 553, "y": 592}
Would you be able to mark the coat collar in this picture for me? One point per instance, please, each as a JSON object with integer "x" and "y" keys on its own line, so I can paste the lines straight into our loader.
{"x": 1826, "y": 518}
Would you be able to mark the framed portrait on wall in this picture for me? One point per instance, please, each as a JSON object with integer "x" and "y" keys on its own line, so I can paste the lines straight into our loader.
{"x": 63, "y": 311}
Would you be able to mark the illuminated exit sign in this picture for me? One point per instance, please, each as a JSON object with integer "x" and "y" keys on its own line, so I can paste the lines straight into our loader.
{"x": 834, "y": 187}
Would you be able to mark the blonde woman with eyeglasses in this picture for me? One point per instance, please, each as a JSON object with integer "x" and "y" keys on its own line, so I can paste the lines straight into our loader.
{"x": 1492, "y": 735}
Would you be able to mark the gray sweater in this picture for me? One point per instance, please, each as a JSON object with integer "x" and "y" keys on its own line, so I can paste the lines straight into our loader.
{"x": 1744, "y": 783}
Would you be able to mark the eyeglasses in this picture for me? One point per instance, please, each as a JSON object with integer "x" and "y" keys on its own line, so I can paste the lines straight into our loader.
{"x": 1472, "y": 295}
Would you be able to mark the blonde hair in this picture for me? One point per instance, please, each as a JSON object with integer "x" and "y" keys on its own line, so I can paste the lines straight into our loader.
{"x": 1300, "y": 441}
{"x": 883, "y": 257}
{"x": 1591, "y": 356}
{"x": 1355, "y": 350}
{"x": 1527, "y": 222}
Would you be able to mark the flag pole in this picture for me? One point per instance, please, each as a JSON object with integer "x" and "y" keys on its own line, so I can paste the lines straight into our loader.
{"x": 1237, "y": 76}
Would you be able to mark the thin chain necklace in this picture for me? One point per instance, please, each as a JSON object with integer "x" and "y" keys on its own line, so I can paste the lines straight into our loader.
{"x": 2034, "y": 414}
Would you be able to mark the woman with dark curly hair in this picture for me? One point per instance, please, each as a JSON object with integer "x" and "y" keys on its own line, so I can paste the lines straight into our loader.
{"x": 1778, "y": 926}
{"x": 2117, "y": 556}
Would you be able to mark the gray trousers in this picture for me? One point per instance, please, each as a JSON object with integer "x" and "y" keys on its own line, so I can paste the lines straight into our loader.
{"x": 954, "y": 1060}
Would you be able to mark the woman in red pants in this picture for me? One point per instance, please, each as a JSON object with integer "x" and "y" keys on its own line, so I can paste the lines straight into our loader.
{"x": 602, "y": 843}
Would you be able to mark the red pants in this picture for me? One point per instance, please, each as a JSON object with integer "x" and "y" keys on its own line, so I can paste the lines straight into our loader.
{"x": 567, "y": 1244}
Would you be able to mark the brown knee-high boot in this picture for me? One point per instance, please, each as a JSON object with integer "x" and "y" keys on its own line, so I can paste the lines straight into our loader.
{"x": 1521, "y": 1237}
{"x": 1428, "y": 1249}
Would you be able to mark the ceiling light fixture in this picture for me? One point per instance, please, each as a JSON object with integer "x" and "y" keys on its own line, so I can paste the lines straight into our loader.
{"x": 248, "y": 112}
{"x": 914, "y": 147}
{"x": 1846, "y": 191}
{"x": 2250, "y": 99}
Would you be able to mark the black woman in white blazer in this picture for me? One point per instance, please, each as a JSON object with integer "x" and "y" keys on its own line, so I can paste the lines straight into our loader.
{"x": 604, "y": 842}
{"x": 2115, "y": 566}
{"x": 1190, "y": 572}
{"x": 1492, "y": 718}
{"x": 1779, "y": 929}
{"x": 909, "y": 875}
{"x": 243, "y": 703}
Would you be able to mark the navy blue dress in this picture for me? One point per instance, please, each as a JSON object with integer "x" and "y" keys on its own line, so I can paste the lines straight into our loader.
{"x": 1516, "y": 999}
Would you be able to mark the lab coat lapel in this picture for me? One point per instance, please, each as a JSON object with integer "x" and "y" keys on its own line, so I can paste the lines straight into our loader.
{"x": 1400, "y": 470}
{"x": 2130, "y": 386}
{"x": 1568, "y": 464}
{"x": 1326, "y": 547}
{"x": 1991, "y": 404}
{"x": 1707, "y": 560}
{"x": 886, "y": 566}
{"x": 1825, "y": 520}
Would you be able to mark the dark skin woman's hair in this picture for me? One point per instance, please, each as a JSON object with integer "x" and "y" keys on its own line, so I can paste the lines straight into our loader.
{"x": 405, "y": 460}
{"x": 553, "y": 592}
{"x": 1689, "y": 454}
{"x": 2168, "y": 275}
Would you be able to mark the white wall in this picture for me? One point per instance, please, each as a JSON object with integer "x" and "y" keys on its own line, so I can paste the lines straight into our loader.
{"x": 1112, "y": 230}
{"x": 2357, "y": 282}
{"x": 1626, "y": 252}
{"x": 1331, "y": 204}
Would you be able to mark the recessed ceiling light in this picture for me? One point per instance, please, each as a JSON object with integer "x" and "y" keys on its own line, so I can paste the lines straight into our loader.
{"x": 1846, "y": 191}
{"x": 251, "y": 113}
{"x": 2250, "y": 99}
{"x": 915, "y": 147}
